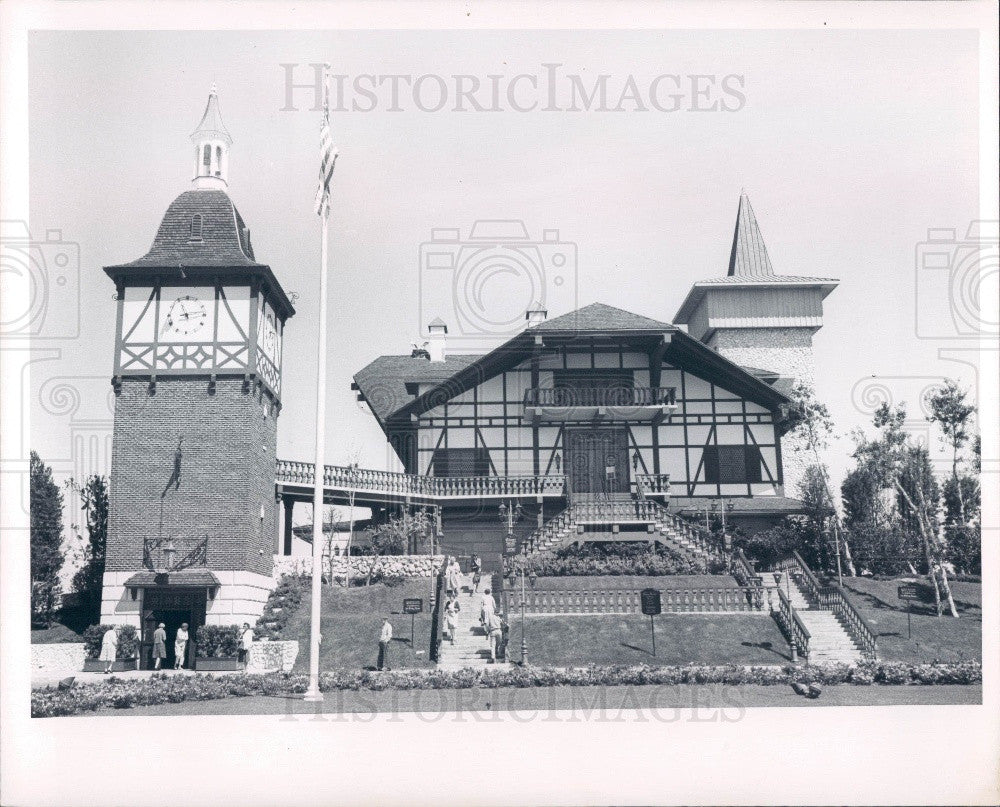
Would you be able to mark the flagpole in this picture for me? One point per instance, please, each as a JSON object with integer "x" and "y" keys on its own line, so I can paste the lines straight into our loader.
{"x": 313, "y": 692}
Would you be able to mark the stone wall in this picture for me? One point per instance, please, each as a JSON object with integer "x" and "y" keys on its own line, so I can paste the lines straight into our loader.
{"x": 267, "y": 656}
{"x": 394, "y": 565}
{"x": 66, "y": 657}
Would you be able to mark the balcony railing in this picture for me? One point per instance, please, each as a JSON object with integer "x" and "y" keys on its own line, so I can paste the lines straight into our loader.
{"x": 652, "y": 484}
{"x": 569, "y": 397}
{"x": 174, "y": 554}
{"x": 390, "y": 483}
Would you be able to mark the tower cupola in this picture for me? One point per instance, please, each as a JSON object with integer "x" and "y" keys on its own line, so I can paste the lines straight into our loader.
{"x": 211, "y": 148}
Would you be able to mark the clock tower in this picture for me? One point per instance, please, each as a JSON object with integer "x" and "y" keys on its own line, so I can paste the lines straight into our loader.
{"x": 197, "y": 380}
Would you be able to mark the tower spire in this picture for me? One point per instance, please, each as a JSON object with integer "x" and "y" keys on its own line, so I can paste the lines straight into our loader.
{"x": 748, "y": 256}
{"x": 212, "y": 141}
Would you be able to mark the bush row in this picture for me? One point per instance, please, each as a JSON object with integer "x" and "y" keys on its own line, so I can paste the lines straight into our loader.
{"x": 649, "y": 564}
{"x": 116, "y": 693}
{"x": 128, "y": 640}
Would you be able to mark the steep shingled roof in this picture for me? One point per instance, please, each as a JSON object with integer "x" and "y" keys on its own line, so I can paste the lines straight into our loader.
{"x": 383, "y": 381}
{"x": 601, "y": 317}
{"x": 224, "y": 241}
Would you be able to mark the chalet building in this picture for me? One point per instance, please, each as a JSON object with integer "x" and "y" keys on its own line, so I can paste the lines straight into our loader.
{"x": 605, "y": 404}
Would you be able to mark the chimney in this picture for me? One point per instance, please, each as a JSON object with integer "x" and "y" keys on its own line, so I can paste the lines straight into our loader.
{"x": 437, "y": 333}
{"x": 536, "y": 315}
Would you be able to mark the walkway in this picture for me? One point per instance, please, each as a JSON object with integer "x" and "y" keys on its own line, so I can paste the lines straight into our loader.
{"x": 471, "y": 647}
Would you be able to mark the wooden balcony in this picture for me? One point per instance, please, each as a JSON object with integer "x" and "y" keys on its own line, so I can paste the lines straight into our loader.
{"x": 369, "y": 483}
{"x": 631, "y": 404}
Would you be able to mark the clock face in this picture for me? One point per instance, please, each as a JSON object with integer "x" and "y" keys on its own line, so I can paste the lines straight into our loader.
{"x": 187, "y": 315}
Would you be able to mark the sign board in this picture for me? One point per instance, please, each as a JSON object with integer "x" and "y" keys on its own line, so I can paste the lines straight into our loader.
{"x": 650, "y": 599}
{"x": 413, "y": 605}
{"x": 510, "y": 544}
{"x": 908, "y": 592}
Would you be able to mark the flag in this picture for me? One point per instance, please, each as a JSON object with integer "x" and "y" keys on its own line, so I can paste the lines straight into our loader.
{"x": 327, "y": 158}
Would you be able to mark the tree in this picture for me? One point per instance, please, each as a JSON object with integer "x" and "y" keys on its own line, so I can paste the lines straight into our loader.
{"x": 395, "y": 536}
{"x": 893, "y": 461}
{"x": 950, "y": 411}
{"x": 89, "y": 578}
{"x": 46, "y": 539}
{"x": 811, "y": 421}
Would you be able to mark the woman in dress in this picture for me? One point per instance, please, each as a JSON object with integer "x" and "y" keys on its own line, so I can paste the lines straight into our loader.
{"x": 451, "y": 619}
{"x": 180, "y": 645}
{"x": 159, "y": 645}
{"x": 109, "y": 649}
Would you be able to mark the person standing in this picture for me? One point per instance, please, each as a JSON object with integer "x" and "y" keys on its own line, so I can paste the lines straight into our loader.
{"x": 109, "y": 649}
{"x": 383, "y": 645}
{"x": 159, "y": 645}
{"x": 494, "y": 631}
{"x": 476, "y": 566}
{"x": 246, "y": 643}
{"x": 487, "y": 609}
{"x": 180, "y": 646}
{"x": 451, "y": 618}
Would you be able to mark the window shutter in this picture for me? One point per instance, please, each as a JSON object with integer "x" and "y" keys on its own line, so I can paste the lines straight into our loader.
{"x": 710, "y": 460}
{"x": 753, "y": 464}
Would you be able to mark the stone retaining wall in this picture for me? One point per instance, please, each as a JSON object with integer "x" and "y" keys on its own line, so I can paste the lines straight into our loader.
{"x": 64, "y": 657}
{"x": 394, "y": 565}
{"x": 267, "y": 656}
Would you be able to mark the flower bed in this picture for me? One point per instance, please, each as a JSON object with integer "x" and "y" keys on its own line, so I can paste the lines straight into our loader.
{"x": 615, "y": 558}
{"x": 117, "y": 693}
{"x": 281, "y": 604}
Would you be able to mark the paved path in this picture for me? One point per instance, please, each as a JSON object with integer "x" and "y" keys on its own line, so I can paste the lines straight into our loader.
{"x": 712, "y": 702}
{"x": 471, "y": 647}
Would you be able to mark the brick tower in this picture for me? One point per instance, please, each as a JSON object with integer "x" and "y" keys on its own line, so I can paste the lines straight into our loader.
{"x": 760, "y": 320}
{"x": 197, "y": 375}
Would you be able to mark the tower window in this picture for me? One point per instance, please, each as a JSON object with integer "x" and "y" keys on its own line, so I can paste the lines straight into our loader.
{"x": 218, "y": 160}
{"x": 196, "y": 227}
{"x": 206, "y": 159}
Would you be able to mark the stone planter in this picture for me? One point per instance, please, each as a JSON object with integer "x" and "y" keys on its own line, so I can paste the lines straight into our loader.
{"x": 122, "y": 665}
{"x": 230, "y": 664}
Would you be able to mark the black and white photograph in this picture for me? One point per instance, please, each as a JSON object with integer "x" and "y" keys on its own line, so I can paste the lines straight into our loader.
{"x": 500, "y": 404}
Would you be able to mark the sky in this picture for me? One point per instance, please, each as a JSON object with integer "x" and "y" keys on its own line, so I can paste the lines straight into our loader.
{"x": 850, "y": 144}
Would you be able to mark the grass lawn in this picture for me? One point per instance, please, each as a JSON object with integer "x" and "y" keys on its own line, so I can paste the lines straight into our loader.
{"x": 55, "y": 634}
{"x": 352, "y": 619}
{"x": 944, "y": 638}
{"x": 625, "y": 639}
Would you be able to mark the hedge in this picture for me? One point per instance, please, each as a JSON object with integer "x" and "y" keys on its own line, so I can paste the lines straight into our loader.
{"x": 119, "y": 693}
{"x": 128, "y": 641}
{"x": 217, "y": 641}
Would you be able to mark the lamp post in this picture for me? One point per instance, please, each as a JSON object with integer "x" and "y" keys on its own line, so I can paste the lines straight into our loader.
{"x": 512, "y": 514}
{"x": 791, "y": 630}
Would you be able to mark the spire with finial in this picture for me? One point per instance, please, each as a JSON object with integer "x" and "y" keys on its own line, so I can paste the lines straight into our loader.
{"x": 748, "y": 256}
{"x": 212, "y": 141}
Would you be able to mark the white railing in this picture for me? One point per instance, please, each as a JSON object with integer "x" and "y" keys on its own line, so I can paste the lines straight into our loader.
{"x": 368, "y": 480}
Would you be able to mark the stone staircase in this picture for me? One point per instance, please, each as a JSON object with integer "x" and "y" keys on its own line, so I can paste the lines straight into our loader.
{"x": 471, "y": 647}
{"x": 622, "y": 519}
{"x": 829, "y": 641}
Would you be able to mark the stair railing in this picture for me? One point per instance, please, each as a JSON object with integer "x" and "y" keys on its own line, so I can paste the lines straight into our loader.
{"x": 743, "y": 570}
{"x": 835, "y": 599}
{"x": 792, "y": 626}
{"x": 437, "y": 615}
{"x": 699, "y": 536}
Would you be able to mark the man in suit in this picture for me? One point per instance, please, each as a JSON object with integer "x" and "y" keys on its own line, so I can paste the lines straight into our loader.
{"x": 383, "y": 645}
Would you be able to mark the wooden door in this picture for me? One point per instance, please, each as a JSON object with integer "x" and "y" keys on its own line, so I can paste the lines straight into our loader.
{"x": 597, "y": 460}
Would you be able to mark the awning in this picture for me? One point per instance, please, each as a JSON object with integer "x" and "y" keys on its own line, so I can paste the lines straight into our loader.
{"x": 185, "y": 577}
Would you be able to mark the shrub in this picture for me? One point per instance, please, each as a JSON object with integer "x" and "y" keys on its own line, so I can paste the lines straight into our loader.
{"x": 128, "y": 641}
{"x": 125, "y": 694}
{"x": 616, "y": 559}
{"x": 281, "y": 604}
{"x": 217, "y": 641}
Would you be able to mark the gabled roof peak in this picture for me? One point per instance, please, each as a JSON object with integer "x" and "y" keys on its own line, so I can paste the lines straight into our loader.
{"x": 748, "y": 256}
{"x": 600, "y": 316}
